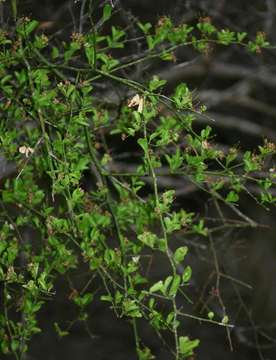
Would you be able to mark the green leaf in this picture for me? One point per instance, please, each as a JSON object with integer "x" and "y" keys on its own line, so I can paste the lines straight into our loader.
{"x": 87, "y": 298}
{"x": 90, "y": 55}
{"x": 55, "y": 53}
{"x": 166, "y": 56}
{"x": 180, "y": 254}
{"x": 167, "y": 282}
{"x": 145, "y": 354}
{"x": 200, "y": 228}
{"x": 148, "y": 238}
{"x": 145, "y": 27}
{"x": 144, "y": 144}
{"x": 175, "y": 161}
{"x": 107, "y": 10}
{"x": 250, "y": 162}
{"x": 205, "y": 133}
{"x": 226, "y": 37}
{"x": 225, "y": 320}
{"x": 232, "y": 197}
{"x": 211, "y": 315}
{"x": 61, "y": 333}
{"x": 241, "y": 36}
{"x": 84, "y": 300}
{"x": 131, "y": 309}
{"x": 156, "y": 83}
{"x": 77, "y": 196}
{"x": 206, "y": 27}
{"x": 27, "y": 27}
{"x": 107, "y": 298}
{"x": 183, "y": 97}
{"x": 186, "y": 346}
{"x": 175, "y": 285}
{"x": 186, "y": 276}
{"x": 14, "y": 345}
{"x": 156, "y": 287}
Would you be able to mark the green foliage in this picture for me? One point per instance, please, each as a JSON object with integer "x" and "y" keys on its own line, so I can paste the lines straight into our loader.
{"x": 187, "y": 346}
{"x": 55, "y": 128}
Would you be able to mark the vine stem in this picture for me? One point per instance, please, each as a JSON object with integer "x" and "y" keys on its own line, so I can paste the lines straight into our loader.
{"x": 104, "y": 183}
{"x": 168, "y": 252}
{"x": 115, "y": 221}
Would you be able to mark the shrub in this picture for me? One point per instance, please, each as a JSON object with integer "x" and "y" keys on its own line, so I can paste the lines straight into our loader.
{"x": 60, "y": 130}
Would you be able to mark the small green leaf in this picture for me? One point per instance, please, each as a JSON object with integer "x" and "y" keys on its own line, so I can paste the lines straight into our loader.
{"x": 241, "y": 36}
{"x": 107, "y": 298}
{"x": 167, "y": 282}
{"x": 180, "y": 254}
{"x": 156, "y": 287}
{"x": 77, "y": 196}
{"x": 87, "y": 298}
{"x": 186, "y": 276}
{"x": 186, "y": 346}
{"x": 148, "y": 238}
{"x": 14, "y": 345}
{"x": 131, "y": 309}
{"x": 175, "y": 285}
{"x": 27, "y": 27}
{"x": 183, "y": 97}
{"x": 156, "y": 83}
{"x": 143, "y": 143}
{"x": 232, "y": 197}
{"x": 226, "y": 37}
{"x": 145, "y": 27}
{"x": 145, "y": 354}
{"x": 206, "y": 27}
{"x": 200, "y": 228}
{"x": 225, "y": 320}
{"x": 167, "y": 56}
{"x": 55, "y": 53}
{"x": 107, "y": 10}
{"x": 211, "y": 315}
{"x": 90, "y": 55}
{"x": 61, "y": 333}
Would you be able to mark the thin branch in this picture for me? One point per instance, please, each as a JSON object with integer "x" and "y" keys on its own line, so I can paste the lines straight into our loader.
{"x": 81, "y": 22}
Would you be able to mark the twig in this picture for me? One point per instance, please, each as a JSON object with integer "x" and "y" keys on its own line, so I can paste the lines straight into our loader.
{"x": 218, "y": 276}
{"x": 81, "y": 22}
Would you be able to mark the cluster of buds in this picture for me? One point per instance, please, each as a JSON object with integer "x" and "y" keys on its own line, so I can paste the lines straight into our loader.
{"x": 78, "y": 38}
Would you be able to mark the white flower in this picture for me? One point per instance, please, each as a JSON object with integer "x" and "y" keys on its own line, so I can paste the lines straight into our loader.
{"x": 26, "y": 150}
{"x": 136, "y": 259}
{"x": 137, "y": 100}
